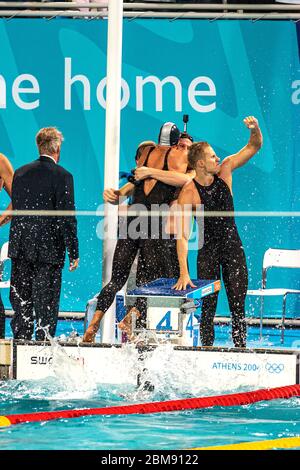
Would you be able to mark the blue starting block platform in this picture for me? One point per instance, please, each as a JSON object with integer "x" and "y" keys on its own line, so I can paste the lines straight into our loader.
{"x": 163, "y": 288}
{"x": 173, "y": 312}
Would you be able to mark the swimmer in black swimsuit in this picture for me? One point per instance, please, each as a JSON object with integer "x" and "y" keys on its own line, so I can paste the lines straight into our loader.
{"x": 162, "y": 169}
{"x": 222, "y": 247}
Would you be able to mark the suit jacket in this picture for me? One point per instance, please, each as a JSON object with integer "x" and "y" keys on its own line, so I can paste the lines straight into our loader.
{"x": 43, "y": 185}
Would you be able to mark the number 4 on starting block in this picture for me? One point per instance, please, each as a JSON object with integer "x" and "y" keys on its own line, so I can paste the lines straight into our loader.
{"x": 163, "y": 321}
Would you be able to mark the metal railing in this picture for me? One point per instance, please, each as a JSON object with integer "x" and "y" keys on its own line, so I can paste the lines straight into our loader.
{"x": 133, "y": 10}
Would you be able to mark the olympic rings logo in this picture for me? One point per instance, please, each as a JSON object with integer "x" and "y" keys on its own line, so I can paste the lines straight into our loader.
{"x": 274, "y": 368}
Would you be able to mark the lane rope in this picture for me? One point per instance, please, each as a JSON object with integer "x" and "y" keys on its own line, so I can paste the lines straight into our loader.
{"x": 234, "y": 399}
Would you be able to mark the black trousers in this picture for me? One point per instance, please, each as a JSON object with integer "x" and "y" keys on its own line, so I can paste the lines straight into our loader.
{"x": 34, "y": 295}
{"x": 157, "y": 258}
{"x": 2, "y": 319}
{"x": 229, "y": 257}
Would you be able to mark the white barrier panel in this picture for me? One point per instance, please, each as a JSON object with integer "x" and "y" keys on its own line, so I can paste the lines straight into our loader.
{"x": 186, "y": 367}
{"x": 103, "y": 364}
{"x": 239, "y": 369}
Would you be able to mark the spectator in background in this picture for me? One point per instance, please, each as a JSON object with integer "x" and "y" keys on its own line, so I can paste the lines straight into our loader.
{"x": 88, "y": 1}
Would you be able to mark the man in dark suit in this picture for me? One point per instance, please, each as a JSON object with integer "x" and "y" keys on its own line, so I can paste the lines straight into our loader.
{"x": 38, "y": 243}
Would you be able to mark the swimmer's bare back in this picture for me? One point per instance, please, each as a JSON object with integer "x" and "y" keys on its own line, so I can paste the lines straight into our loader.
{"x": 177, "y": 161}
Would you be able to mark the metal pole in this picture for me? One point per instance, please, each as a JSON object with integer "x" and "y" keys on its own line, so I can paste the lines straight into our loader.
{"x": 112, "y": 148}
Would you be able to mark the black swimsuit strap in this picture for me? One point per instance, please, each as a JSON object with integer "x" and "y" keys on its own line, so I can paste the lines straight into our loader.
{"x": 148, "y": 155}
{"x": 166, "y": 167}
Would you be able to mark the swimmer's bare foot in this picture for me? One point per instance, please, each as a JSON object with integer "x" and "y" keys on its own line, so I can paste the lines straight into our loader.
{"x": 90, "y": 334}
{"x": 125, "y": 325}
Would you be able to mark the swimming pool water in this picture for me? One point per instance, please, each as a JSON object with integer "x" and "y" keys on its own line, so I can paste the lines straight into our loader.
{"x": 176, "y": 430}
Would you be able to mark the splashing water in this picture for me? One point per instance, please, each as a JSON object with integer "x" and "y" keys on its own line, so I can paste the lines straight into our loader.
{"x": 71, "y": 371}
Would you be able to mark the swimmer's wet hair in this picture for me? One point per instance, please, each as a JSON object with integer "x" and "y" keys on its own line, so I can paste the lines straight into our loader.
{"x": 196, "y": 152}
{"x": 142, "y": 145}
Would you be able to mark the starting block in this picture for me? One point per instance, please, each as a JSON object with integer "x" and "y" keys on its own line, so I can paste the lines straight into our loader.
{"x": 172, "y": 314}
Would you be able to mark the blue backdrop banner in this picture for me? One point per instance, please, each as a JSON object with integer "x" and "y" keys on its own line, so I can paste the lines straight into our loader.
{"x": 53, "y": 73}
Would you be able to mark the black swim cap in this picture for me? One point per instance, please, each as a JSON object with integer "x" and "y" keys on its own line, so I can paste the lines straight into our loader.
{"x": 185, "y": 135}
